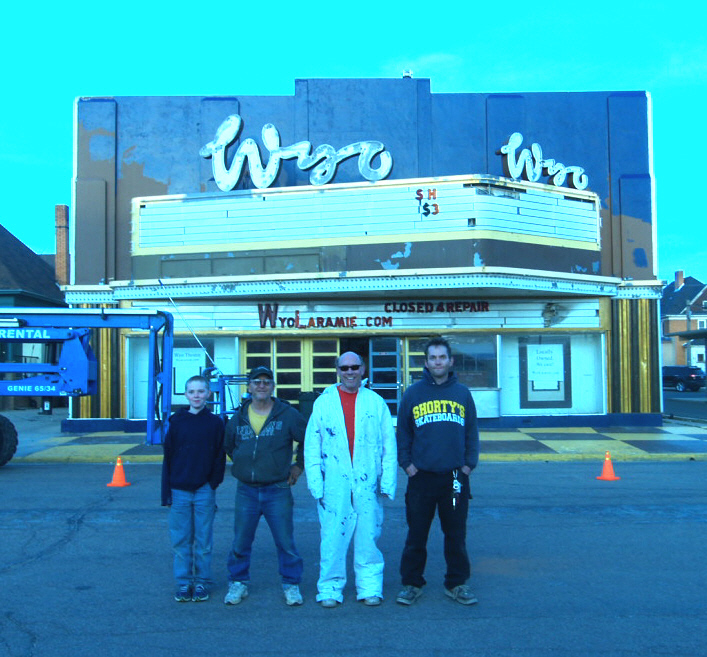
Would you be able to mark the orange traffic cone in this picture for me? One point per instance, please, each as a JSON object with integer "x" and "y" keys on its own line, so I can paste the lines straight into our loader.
{"x": 607, "y": 473}
{"x": 118, "y": 476}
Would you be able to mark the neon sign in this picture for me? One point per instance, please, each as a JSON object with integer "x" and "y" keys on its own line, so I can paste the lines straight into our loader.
{"x": 529, "y": 164}
{"x": 323, "y": 160}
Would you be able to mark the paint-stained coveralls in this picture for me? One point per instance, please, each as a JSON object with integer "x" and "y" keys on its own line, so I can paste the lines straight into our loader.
{"x": 349, "y": 493}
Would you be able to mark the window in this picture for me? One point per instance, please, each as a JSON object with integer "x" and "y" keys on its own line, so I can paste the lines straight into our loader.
{"x": 475, "y": 359}
{"x": 545, "y": 372}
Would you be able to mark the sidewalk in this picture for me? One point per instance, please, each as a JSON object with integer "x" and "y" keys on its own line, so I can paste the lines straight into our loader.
{"x": 41, "y": 441}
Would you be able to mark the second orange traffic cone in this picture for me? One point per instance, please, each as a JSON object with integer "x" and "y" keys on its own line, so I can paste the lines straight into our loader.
{"x": 118, "y": 475}
{"x": 607, "y": 473}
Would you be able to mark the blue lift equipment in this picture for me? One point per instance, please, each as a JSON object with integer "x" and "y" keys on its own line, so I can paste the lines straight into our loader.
{"x": 75, "y": 371}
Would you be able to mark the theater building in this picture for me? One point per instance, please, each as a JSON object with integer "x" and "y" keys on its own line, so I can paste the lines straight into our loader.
{"x": 368, "y": 215}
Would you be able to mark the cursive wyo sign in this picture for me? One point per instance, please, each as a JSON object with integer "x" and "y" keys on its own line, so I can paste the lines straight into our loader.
{"x": 531, "y": 163}
{"x": 323, "y": 161}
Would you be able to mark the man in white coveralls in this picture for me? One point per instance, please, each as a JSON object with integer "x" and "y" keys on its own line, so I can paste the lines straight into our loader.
{"x": 350, "y": 458}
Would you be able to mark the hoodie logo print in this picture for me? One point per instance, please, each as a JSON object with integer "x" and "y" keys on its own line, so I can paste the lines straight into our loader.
{"x": 438, "y": 410}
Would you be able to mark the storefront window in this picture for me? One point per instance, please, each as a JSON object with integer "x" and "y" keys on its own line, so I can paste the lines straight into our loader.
{"x": 475, "y": 359}
{"x": 540, "y": 373}
{"x": 258, "y": 352}
{"x": 288, "y": 369}
{"x": 545, "y": 372}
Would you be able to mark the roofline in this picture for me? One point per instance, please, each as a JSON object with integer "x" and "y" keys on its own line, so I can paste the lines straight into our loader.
{"x": 692, "y": 335}
{"x": 484, "y": 281}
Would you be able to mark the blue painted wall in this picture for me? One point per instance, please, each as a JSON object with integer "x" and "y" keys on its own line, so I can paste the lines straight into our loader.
{"x": 143, "y": 146}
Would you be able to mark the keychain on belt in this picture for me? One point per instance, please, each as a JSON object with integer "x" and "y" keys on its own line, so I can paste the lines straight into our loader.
{"x": 456, "y": 488}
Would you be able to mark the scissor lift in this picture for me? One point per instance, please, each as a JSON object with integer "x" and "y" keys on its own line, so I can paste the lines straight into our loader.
{"x": 74, "y": 372}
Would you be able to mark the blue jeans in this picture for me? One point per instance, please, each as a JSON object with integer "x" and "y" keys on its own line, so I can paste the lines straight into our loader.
{"x": 275, "y": 503}
{"x": 191, "y": 530}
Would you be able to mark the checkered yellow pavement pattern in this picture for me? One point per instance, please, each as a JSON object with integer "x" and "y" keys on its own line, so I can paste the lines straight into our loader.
{"x": 674, "y": 442}
{"x": 668, "y": 442}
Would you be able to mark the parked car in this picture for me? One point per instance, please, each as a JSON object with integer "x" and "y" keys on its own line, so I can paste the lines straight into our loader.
{"x": 683, "y": 377}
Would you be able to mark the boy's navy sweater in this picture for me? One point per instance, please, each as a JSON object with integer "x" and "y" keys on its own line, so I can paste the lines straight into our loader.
{"x": 193, "y": 452}
{"x": 437, "y": 428}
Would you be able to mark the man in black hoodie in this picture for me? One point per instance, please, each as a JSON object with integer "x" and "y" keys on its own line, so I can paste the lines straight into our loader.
{"x": 438, "y": 446}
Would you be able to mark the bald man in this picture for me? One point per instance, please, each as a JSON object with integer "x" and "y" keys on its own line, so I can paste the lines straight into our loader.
{"x": 350, "y": 457}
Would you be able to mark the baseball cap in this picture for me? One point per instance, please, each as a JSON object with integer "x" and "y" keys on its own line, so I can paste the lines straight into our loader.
{"x": 261, "y": 370}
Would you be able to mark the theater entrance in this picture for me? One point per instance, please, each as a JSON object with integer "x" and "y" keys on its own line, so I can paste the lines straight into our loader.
{"x": 307, "y": 365}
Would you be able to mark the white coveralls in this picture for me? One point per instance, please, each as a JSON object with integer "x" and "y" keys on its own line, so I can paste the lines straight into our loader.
{"x": 349, "y": 495}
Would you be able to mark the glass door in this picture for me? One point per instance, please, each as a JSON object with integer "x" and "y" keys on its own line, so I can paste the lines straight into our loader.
{"x": 385, "y": 370}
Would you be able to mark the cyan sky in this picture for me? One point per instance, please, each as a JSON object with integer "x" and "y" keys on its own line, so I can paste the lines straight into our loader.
{"x": 52, "y": 55}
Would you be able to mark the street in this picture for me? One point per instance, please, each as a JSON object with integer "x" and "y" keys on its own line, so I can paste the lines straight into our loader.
{"x": 563, "y": 564}
{"x": 688, "y": 404}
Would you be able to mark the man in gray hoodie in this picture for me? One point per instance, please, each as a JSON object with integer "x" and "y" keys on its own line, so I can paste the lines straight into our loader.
{"x": 260, "y": 441}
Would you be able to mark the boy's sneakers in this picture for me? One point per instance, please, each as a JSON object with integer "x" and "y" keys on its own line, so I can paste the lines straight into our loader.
{"x": 200, "y": 593}
{"x": 372, "y": 601}
{"x": 462, "y": 594}
{"x": 183, "y": 593}
{"x": 408, "y": 595}
{"x": 236, "y": 592}
{"x": 292, "y": 594}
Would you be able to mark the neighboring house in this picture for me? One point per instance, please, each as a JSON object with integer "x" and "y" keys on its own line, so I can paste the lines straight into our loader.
{"x": 26, "y": 280}
{"x": 683, "y": 309}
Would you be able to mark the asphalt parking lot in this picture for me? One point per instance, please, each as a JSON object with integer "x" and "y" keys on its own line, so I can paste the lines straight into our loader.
{"x": 563, "y": 564}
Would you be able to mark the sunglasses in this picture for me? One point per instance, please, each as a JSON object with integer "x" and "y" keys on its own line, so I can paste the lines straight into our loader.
{"x": 261, "y": 382}
{"x": 346, "y": 368}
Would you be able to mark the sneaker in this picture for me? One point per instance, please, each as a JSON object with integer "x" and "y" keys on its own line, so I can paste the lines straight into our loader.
{"x": 292, "y": 594}
{"x": 408, "y": 595}
{"x": 200, "y": 593}
{"x": 372, "y": 601}
{"x": 236, "y": 592}
{"x": 462, "y": 594}
{"x": 329, "y": 602}
{"x": 183, "y": 593}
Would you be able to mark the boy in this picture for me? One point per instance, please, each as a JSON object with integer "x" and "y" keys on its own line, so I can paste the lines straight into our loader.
{"x": 193, "y": 467}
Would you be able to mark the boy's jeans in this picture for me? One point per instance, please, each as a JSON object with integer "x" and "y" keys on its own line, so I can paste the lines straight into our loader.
{"x": 276, "y": 504}
{"x": 191, "y": 529}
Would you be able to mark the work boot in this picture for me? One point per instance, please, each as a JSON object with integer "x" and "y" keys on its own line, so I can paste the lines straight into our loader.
{"x": 462, "y": 594}
{"x": 408, "y": 595}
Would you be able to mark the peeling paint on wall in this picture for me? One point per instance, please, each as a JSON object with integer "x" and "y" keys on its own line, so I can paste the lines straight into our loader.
{"x": 637, "y": 259}
{"x": 640, "y": 259}
{"x": 100, "y": 145}
{"x": 389, "y": 264}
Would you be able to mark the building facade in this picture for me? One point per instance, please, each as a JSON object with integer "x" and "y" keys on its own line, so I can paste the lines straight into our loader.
{"x": 367, "y": 215}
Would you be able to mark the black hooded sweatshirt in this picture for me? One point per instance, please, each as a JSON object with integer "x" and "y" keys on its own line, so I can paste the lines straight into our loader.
{"x": 193, "y": 452}
{"x": 437, "y": 428}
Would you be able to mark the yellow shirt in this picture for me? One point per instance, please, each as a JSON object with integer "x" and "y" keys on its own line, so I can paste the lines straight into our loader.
{"x": 256, "y": 420}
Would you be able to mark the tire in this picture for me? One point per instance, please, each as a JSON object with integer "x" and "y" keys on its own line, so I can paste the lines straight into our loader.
{"x": 680, "y": 386}
{"x": 8, "y": 440}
